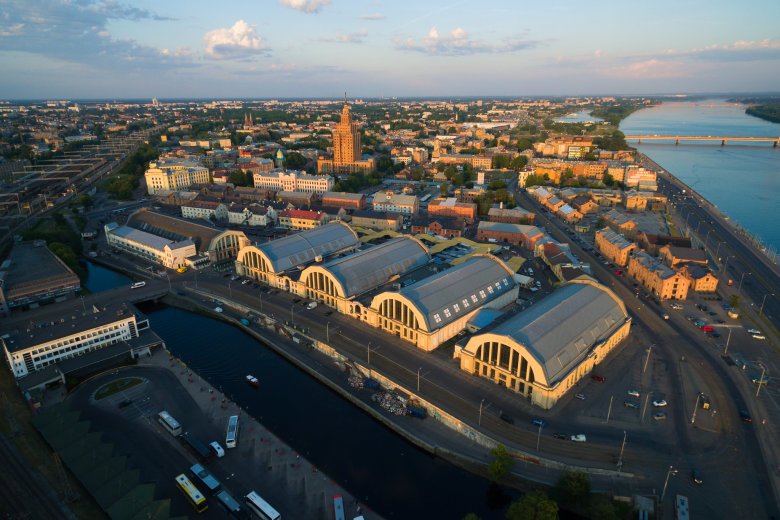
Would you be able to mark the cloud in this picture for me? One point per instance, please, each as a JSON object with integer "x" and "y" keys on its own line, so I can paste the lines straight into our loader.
{"x": 355, "y": 37}
{"x": 458, "y": 43}
{"x": 240, "y": 41}
{"x": 76, "y": 32}
{"x": 741, "y": 50}
{"x": 652, "y": 68}
{"x": 305, "y": 6}
{"x": 373, "y": 16}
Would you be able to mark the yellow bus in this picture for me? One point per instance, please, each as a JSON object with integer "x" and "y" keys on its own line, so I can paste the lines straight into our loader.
{"x": 194, "y": 496}
{"x": 182, "y": 269}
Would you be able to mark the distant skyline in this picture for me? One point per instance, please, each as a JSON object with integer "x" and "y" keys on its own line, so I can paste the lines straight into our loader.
{"x": 321, "y": 48}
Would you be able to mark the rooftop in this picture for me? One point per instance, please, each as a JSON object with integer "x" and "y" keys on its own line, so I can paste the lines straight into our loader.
{"x": 303, "y": 248}
{"x": 25, "y": 334}
{"x": 561, "y": 329}
{"x": 33, "y": 264}
{"x": 173, "y": 229}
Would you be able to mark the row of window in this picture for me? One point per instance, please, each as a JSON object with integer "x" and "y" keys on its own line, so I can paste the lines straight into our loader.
{"x": 97, "y": 334}
{"x": 456, "y": 307}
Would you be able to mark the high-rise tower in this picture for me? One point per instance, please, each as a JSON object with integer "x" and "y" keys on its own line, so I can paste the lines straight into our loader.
{"x": 346, "y": 138}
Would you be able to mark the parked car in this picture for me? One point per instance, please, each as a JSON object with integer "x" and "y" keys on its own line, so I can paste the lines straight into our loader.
{"x": 597, "y": 378}
{"x": 633, "y": 393}
{"x": 761, "y": 380}
{"x": 581, "y": 397}
{"x": 659, "y": 416}
{"x": 579, "y": 438}
{"x": 759, "y": 336}
{"x": 630, "y": 403}
{"x": 660, "y": 403}
{"x": 753, "y": 331}
{"x": 696, "y": 476}
{"x": 506, "y": 418}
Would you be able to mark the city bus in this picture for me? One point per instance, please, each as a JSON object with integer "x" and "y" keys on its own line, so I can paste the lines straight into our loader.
{"x": 195, "y": 497}
{"x": 170, "y": 424}
{"x": 232, "y": 432}
{"x": 261, "y": 508}
{"x": 681, "y": 508}
{"x": 338, "y": 508}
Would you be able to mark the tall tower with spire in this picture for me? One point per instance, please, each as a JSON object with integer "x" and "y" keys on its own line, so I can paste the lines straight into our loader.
{"x": 346, "y": 138}
{"x": 248, "y": 123}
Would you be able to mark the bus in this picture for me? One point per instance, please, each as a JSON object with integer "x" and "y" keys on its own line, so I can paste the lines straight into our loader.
{"x": 197, "y": 447}
{"x": 205, "y": 477}
{"x": 338, "y": 508}
{"x": 261, "y": 508}
{"x": 681, "y": 508}
{"x": 195, "y": 497}
{"x": 170, "y": 424}
{"x": 232, "y": 432}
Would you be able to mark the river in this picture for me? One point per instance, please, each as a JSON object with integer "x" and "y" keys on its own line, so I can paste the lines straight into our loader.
{"x": 743, "y": 180}
{"x": 389, "y": 474}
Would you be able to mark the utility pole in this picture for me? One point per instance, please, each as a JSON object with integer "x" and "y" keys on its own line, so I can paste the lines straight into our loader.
{"x": 695, "y": 407}
{"x": 609, "y": 411}
{"x": 644, "y": 409}
{"x": 671, "y": 471}
{"x": 761, "y": 380}
{"x": 539, "y": 435}
{"x": 479, "y": 422}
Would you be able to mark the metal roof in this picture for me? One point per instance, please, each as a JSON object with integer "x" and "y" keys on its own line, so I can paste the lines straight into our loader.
{"x": 560, "y": 330}
{"x": 505, "y": 227}
{"x": 142, "y": 237}
{"x": 370, "y": 268}
{"x": 174, "y": 229}
{"x": 446, "y": 296}
{"x": 303, "y": 248}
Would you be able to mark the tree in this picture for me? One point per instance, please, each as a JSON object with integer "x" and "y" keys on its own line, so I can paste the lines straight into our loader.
{"x": 471, "y": 516}
{"x": 85, "y": 200}
{"x": 608, "y": 180}
{"x": 295, "y": 161}
{"x": 501, "y": 465}
{"x": 533, "y": 506}
{"x": 444, "y": 189}
{"x": 573, "y": 489}
{"x": 602, "y": 508}
{"x": 239, "y": 178}
{"x": 734, "y": 301}
{"x": 519, "y": 162}
{"x": 501, "y": 161}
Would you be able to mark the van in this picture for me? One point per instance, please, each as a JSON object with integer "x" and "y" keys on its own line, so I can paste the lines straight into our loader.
{"x": 217, "y": 449}
{"x": 138, "y": 285}
{"x": 311, "y": 305}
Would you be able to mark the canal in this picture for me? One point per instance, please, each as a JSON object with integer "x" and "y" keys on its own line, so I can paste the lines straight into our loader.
{"x": 389, "y": 474}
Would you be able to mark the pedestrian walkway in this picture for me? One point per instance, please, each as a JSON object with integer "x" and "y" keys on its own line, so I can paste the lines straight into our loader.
{"x": 294, "y": 486}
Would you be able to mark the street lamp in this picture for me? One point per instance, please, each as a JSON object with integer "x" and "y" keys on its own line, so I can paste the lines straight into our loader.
{"x": 230, "y": 290}
{"x": 622, "y": 447}
{"x": 647, "y": 359}
{"x": 368, "y": 354}
{"x": 292, "y": 314}
{"x": 671, "y": 471}
{"x": 169, "y": 281}
{"x": 741, "y": 280}
{"x": 761, "y": 379}
{"x": 418, "y": 379}
{"x": 728, "y": 340}
{"x": 479, "y": 422}
{"x": 761, "y": 310}
{"x": 327, "y": 332}
{"x": 695, "y": 407}
{"x": 717, "y": 251}
{"x": 539, "y": 435}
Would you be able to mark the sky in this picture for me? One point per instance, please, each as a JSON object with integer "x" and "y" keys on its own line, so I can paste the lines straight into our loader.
{"x": 111, "y": 49}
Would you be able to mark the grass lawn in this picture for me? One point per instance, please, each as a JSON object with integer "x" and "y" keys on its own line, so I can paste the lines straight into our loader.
{"x": 117, "y": 386}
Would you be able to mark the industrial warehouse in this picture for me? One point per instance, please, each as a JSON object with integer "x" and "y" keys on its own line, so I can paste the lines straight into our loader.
{"x": 544, "y": 351}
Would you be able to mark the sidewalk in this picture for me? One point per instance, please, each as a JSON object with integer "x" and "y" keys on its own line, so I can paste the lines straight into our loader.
{"x": 261, "y": 460}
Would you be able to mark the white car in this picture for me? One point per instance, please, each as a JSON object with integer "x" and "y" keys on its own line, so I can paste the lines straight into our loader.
{"x": 659, "y": 404}
{"x": 633, "y": 393}
{"x": 217, "y": 449}
{"x": 759, "y": 336}
{"x": 217, "y": 309}
{"x": 579, "y": 438}
{"x": 754, "y": 331}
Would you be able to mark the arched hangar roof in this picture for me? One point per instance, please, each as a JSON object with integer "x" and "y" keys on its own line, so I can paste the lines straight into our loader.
{"x": 560, "y": 330}
{"x": 304, "y": 247}
{"x": 372, "y": 267}
{"x": 450, "y": 294}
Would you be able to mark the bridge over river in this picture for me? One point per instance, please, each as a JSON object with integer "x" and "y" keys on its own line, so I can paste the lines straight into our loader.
{"x": 722, "y": 138}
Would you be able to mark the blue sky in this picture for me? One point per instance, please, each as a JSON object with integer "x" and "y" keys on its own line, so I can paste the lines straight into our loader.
{"x": 321, "y": 48}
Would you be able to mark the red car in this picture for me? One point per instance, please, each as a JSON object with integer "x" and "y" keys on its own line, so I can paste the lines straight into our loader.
{"x": 708, "y": 328}
{"x": 598, "y": 379}
{"x": 619, "y": 272}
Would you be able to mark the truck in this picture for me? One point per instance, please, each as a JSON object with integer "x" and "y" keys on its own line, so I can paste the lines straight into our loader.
{"x": 416, "y": 411}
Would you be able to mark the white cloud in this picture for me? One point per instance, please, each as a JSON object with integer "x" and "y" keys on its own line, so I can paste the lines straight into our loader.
{"x": 240, "y": 41}
{"x": 305, "y": 6}
{"x": 458, "y": 43}
{"x": 372, "y": 16}
{"x": 355, "y": 37}
{"x": 649, "y": 69}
